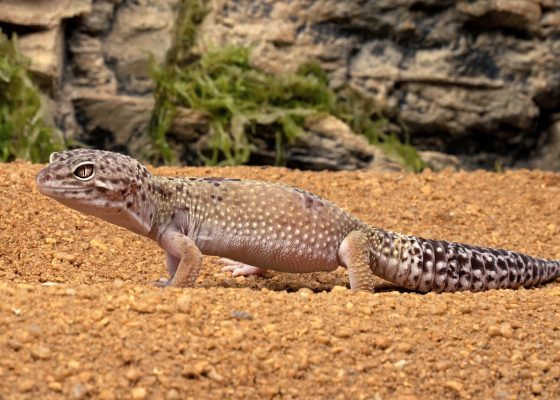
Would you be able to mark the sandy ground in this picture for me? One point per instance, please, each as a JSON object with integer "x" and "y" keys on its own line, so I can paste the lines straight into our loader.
{"x": 80, "y": 319}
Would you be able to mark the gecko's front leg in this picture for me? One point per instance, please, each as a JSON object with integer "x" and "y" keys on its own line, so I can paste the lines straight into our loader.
{"x": 183, "y": 259}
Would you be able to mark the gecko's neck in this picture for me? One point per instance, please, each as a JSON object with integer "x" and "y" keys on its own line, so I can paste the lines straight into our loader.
{"x": 158, "y": 202}
{"x": 144, "y": 209}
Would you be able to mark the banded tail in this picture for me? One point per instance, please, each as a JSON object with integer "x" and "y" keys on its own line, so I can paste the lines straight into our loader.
{"x": 440, "y": 266}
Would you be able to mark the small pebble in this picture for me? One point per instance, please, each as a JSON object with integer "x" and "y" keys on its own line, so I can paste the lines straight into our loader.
{"x": 25, "y": 385}
{"x": 540, "y": 364}
{"x": 454, "y": 385}
{"x": 139, "y": 393}
{"x": 240, "y": 314}
{"x": 184, "y": 303}
{"x": 40, "y": 352}
{"x": 172, "y": 394}
{"x": 536, "y": 387}
{"x": 78, "y": 391}
{"x": 382, "y": 342}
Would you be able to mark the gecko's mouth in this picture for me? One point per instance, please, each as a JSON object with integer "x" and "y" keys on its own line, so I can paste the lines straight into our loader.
{"x": 58, "y": 192}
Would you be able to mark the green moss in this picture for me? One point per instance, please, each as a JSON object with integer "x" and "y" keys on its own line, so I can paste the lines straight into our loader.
{"x": 240, "y": 99}
{"x": 23, "y": 132}
{"x": 362, "y": 115}
{"x": 191, "y": 14}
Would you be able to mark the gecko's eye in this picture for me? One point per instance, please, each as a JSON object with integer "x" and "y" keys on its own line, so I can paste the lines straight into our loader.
{"x": 84, "y": 171}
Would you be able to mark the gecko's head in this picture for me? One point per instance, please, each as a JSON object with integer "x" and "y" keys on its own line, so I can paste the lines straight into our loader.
{"x": 92, "y": 181}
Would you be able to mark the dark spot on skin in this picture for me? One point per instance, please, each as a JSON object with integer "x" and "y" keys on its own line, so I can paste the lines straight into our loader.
{"x": 192, "y": 179}
{"x": 489, "y": 264}
{"x": 187, "y": 208}
{"x": 117, "y": 181}
{"x": 179, "y": 188}
{"x": 502, "y": 264}
{"x": 128, "y": 204}
{"x": 213, "y": 196}
{"x": 216, "y": 184}
{"x": 107, "y": 204}
{"x": 219, "y": 198}
{"x": 214, "y": 180}
{"x": 308, "y": 201}
{"x": 211, "y": 179}
{"x": 102, "y": 189}
{"x": 476, "y": 263}
{"x": 143, "y": 196}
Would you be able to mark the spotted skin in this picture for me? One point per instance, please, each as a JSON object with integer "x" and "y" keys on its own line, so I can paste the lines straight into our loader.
{"x": 257, "y": 226}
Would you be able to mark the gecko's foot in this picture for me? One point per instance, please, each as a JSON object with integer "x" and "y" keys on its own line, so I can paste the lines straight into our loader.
{"x": 239, "y": 269}
{"x": 162, "y": 282}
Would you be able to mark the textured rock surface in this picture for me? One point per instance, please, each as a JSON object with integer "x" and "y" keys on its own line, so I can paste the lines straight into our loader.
{"x": 45, "y": 50}
{"x": 42, "y": 13}
{"x": 110, "y": 47}
{"x": 548, "y": 155}
{"x": 468, "y": 77}
{"x": 478, "y": 79}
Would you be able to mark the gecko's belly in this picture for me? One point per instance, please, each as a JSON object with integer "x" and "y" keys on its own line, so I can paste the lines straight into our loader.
{"x": 287, "y": 254}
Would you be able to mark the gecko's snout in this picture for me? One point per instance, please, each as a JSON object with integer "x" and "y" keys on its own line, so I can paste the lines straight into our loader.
{"x": 43, "y": 176}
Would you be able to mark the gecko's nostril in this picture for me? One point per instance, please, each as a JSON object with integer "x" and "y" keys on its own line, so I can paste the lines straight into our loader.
{"x": 47, "y": 177}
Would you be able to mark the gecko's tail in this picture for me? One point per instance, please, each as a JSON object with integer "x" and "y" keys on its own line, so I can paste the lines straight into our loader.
{"x": 433, "y": 265}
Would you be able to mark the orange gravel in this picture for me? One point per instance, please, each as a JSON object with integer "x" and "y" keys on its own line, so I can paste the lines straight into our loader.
{"x": 80, "y": 319}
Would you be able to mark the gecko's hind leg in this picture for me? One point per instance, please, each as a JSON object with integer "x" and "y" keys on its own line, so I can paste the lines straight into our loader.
{"x": 354, "y": 255}
{"x": 240, "y": 269}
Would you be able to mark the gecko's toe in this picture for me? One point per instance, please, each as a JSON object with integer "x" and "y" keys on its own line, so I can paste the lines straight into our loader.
{"x": 239, "y": 269}
{"x": 161, "y": 282}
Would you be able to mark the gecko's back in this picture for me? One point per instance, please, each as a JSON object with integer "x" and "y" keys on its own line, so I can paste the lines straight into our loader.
{"x": 259, "y": 223}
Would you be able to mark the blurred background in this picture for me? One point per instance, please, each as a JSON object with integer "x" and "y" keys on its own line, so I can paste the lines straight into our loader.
{"x": 310, "y": 84}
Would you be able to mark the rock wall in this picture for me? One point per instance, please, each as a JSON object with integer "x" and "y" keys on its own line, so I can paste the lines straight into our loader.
{"x": 478, "y": 79}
